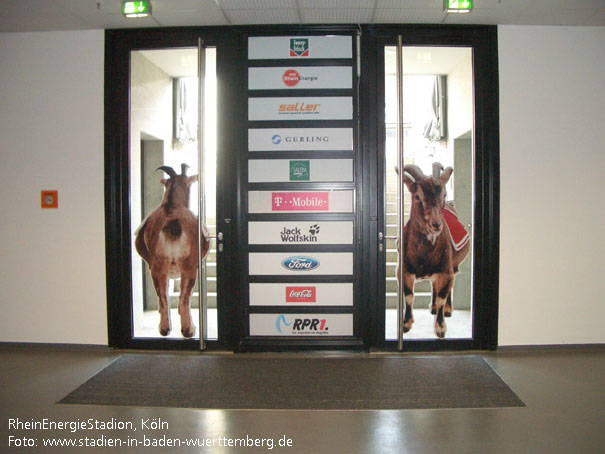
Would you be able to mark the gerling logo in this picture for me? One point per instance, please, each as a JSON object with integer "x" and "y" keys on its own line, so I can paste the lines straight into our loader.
{"x": 276, "y": 139}
{"x": 299, "y": 263}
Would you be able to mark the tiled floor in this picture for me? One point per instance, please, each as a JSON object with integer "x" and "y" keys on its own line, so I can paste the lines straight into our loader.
{"x": 564, "y": 392}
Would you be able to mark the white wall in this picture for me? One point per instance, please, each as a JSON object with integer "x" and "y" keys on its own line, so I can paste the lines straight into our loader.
{"x": 52, "y": 262}
{"x": 52, "y": 267}
{"x": 552, "y": 153}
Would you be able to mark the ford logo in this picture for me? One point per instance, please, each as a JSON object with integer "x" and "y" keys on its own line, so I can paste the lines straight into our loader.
{"x": 300, "y": 263}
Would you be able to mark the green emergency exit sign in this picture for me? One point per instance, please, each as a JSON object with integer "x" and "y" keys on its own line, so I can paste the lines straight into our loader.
{"x": 136, "y": 9}
{"x": 457, "y": 6}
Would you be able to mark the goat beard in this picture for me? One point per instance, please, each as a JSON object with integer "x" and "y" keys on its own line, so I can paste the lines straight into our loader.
{"x": 429, "y": 233}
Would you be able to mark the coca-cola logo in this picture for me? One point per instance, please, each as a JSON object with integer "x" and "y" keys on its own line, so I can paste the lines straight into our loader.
{"x": 301, "y": 295}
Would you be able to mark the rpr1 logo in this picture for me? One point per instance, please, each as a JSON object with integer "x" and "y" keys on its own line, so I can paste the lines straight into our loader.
{"x": 300, "y": 326}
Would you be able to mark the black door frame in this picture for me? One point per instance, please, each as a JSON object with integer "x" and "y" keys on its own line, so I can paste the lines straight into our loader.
{"x": 118, "y": 45}
{"x": 232, "y": 112}
{"x": 483, "y": 41}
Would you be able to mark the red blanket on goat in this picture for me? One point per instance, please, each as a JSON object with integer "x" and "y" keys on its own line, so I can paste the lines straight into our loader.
{"x": 458, "y": 233}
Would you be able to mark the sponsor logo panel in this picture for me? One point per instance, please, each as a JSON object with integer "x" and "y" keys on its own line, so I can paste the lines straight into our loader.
{"x": 340, "y": 201}
{"x": 301, "y": 325}
{"x": 284, "y": 170}
{"x": 299, "y": 48}
{"x": 300, "y": 139}
{"x": 297, "y": 294}
{"x": 300, "y": 264}
{"x": 301, "y": 108}
{"x": 286, "y": 232}
{"x": 300, "y": 78}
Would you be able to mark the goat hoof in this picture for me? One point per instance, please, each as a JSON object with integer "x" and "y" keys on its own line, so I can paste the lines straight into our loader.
{"x": 190, "y": 332}
{"x": 164, "y": 331}
{"x": 407, "y": 325}
{"x": 433, "y": 309}
{"x": 447, "y": 313}
{"x": 440, "y": 330}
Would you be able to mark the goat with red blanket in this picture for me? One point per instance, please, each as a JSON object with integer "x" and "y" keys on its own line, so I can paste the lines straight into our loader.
{"x": 431, "y": 248}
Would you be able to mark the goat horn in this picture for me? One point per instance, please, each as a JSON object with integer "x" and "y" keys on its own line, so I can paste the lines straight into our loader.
{"x": 414, "y": 171}
{"x": 184, "y": 168}
{"x": 169, "y": 170}
{"x": 437, "y": 168}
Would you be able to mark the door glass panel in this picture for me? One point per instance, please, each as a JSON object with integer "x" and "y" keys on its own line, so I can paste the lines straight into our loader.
{"x": 437, "y": 128}
{"x": 164, "y": 133}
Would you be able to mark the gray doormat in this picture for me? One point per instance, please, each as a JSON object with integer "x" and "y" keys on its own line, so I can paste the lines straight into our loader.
{"x": 296, "y": 383}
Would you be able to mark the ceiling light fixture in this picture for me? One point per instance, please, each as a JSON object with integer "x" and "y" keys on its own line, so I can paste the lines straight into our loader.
{"x": 136, "y": 9}
{"x": 457, "y": 6}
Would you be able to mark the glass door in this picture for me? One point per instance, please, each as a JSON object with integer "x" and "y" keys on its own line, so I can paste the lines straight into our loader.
{"x": 428, "y": 192}
{"x": 172, "y": 175}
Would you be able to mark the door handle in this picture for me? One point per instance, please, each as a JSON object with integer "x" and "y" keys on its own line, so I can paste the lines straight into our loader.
{"x": 382, "y": 237}
{"x": 218, "y": 236}
{"x": 219, "y": 240}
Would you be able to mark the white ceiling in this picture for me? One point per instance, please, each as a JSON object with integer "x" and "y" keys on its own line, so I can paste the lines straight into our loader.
{"x": 45, "y": 15}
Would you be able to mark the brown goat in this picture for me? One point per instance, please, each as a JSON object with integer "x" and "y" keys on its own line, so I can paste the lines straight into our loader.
{"x": 428, "y": 251}
{"x": 167, "y": 240}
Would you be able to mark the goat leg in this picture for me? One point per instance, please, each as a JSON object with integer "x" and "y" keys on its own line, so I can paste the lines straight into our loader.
{"x": 160, "y": 282}
{"x": 448, "y": 308}
{"x": 442, "y": 287}
{"x": 187, "y": 284}
{"x": 408, "y": 291}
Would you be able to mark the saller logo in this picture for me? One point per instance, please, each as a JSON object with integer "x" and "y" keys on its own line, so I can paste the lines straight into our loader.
{"x": 299, "y": 263}
{"x": 301, "y": 295}
{"x": 298, "y": 108}
{"x": 299, "y": 47}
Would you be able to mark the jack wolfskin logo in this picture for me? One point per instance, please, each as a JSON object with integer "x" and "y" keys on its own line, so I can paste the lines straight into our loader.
{"x": 299, "y": 47}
